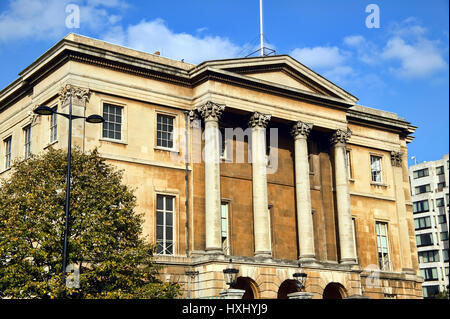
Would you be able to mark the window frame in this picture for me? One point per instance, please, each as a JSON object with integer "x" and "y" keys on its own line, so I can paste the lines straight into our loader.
{"x": 382, "y": 263}
{"x": 53, "y": 125}
{"x": 174, "y": 116}
{"x": 107, "y": 121}
{"x": 26, "y": 130}
{"x": 423, "y": 210}
{"x": 426, "y": 169}
{"x": 164, "y": 212}
{"x": 424, "y": 185}
{"x": 379, "y": 172}
{"x": 7, "y": 143}
{"x": 431, "y": 243}
{"x": 440, "y": 170}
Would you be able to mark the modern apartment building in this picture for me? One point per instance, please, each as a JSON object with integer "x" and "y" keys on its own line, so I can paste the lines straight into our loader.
{"x": 430, "y": 196}
{"x": 330, "y": 190}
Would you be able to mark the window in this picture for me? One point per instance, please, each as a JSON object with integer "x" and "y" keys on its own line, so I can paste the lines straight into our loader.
{"x": 54, "y": 126}
{"x": 447, "y": 198}
{"x": 440, "y": 202}
{"x": 349, "y": 163}
{"x": 440, "y": 186}
{"x": 420, "y": 173}
{"x": 8, "y": 142}
{"x": 428, "y": 256}
{"x": 355, "y": 251}
{"x": 112, "y": 126}
{"x": 439, "y": 170}
{"x": 224, "y": 228}
{"x": 442, "y": 219}
{"x": 429, "y": 273}
{"x": 27, "y": 140}
{"x": 383, "y": 248}
{"x": 430, "y": 291}
{"x": 421, "y": 206}
{"x": 375, "y": 167}
{"x": 444, "y": 235}
{"x": 164, "y": 130}
{"x": 422, "y": 223}
{"x": 423, "y": 189}
{"x": 445, "y": 254}
{"x": 164, "y": 224}
{"x": 424, "y": 240}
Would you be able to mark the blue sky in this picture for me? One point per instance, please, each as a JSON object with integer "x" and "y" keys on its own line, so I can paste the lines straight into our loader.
{"x": 402, "y": 66}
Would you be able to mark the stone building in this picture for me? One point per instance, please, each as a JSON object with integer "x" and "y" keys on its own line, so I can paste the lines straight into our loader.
{"x": 319, "y": 180}
{"x": 430, "y": 196}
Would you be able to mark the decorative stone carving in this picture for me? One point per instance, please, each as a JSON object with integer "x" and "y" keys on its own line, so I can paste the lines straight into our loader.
{"x": 34, "y": 118}
{"x": 211, "y": 111}
{"x": 340, "y": 137}
{"x": 194, "y": 119}
{"x": 259, "y": 120}
{"x": 301, "y": 129}
{"x": 396, "y": 158}
{"x": 79, "y": 95}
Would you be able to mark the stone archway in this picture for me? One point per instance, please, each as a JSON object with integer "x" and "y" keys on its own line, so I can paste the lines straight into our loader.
{"x": 288, "y": 286}
{"x": 249, "y": 285}
{"x": 334, "y": 290}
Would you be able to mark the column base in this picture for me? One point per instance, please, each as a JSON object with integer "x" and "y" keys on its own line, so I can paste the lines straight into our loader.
{"x": 263, "y": 254}
{"x": 232, "y": 293}
{"x": 307, "y": 259}
{"x": 300, "y": 295}
{"x": 348, "y": 261}
{"x": 214, "y": 251}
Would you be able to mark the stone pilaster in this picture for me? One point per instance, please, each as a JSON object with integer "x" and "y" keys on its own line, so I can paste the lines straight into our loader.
{"x": 346, "y": 241}
{"x": 211, "y": 113}
{"x": 301, "y": 131}
{"x": 258, "y": 122}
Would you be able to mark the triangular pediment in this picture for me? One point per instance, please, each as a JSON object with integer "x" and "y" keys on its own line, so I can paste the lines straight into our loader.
{"x": 283, "y": 70}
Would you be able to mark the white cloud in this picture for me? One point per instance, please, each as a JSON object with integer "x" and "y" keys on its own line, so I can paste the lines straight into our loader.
{"x": 151, "y": 36}
{"x": 44, "y": 19}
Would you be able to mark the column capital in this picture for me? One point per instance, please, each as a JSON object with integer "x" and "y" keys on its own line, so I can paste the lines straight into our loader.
{"x": 340, "y": 137}
{"x": 301, "y": 129}
{"x": 79, "y": 95}
{"x": 396, "y": 158}
{"x": 211, "y": 111}
{"x": 258, "y": 119}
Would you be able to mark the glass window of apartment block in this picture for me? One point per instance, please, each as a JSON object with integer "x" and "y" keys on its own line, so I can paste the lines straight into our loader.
{"x": 54, "y": 126}
{"x": 422, "y": 223}
{"x": 440, "y": 186}
{"x": 442, "y": 219}
{"x": 164, "y": 130}
{"x": 429, "y": 273}
{"x": 445, "y": 255}
{"x": 447, "y": 198}
{"x": 444, "y": 235}
{"x": 112, "y": 126}
{"x": 421, "y": 206}
{"x": 421, "y": 173}
{"x": 430, "y": 291}
{"x": 27, "y": 140}
{"x": 424, "y": 240}
{"x": 164, "y": 224}
{"x": 224, "y": 229}
{"x": 375, "y": 167}
{"x": 428, "y": 256}
{"x": 383, "y": 246}
{"x": 439, "y": 170}
{"x": 423, "y": 189}
{"x": 440, "y": 202}
{"x": 8, "y": 146}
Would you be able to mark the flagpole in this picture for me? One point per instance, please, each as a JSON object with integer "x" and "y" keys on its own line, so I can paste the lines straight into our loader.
{"x": 261, "y": 25}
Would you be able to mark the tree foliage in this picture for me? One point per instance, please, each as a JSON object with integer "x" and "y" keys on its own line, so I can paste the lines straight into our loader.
{"x": 105, "y": 240}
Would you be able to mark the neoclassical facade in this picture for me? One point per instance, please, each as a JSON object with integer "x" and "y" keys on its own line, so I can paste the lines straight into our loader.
{"x": 257, "y": 160}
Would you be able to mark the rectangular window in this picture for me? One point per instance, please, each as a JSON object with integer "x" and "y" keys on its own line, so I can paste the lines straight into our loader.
{"x": 447, "y": 198}
{"x": 422, "y": 223}
{"x": 442, "y": 219}
{"x": 421, "y": 173}
{"x": 54, "y": 125}
{"x": 224, "y": 229}
{"x": 424, "y": 240}
{"x": 445, "y": 254}
{"x": 383, "y": 246}
{"x": 439, "y": 170}
{"x": 112, "y": 126}
{"x": 429, "y": 256}
{"x": 8, "y": 143}
{"x": 349, "y": 163}
{"x": 164, "y": 224}
{"x": 421, "y": 206}
{"x": 164, "y": 130}
{"x": 440, "y": 186}
{"x": 444, "y": 235}
{"x": 355, "y": 251}
{"x": 27, "y": 140}
{"x": 430, "y": 291}
{"x": 440, "y": 202}
{"x": 423, "y": 189}
{"x": 429, "y": 273}
{"x": 375, "y": 167}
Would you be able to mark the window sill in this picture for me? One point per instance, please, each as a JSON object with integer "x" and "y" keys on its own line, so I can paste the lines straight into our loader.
{"x": 166, "y": 149}
{"x": 375, "y": 184}
{"x": 50, "y": 144}
{"x": 5, "y": 170}
{"x": 110, "y": 140}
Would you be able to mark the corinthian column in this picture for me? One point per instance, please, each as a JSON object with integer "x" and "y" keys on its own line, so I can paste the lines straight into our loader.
{"x": 301, "y": 131}
{"x": 211, "y": 113}
{"x": 258, "y": 122}
{"x": 346, "y": 240}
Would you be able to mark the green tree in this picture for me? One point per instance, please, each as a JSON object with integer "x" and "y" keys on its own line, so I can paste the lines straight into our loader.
{"x": 105, "y": 237}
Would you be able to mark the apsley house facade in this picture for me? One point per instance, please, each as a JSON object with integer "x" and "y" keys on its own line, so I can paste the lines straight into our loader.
{"x": 258, "y": 160}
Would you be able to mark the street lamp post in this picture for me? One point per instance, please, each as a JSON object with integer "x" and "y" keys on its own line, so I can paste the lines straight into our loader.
{"x": 96, "y": 119}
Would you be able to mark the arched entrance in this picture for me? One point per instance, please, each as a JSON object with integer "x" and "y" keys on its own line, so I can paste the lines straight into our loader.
{"x": 249, "y": 285}
{"x": 288, "y": 286}
{"x": 334, "y": 290}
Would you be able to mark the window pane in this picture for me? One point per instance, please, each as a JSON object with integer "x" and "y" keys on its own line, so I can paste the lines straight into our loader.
{"x": 159, "y": 202}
